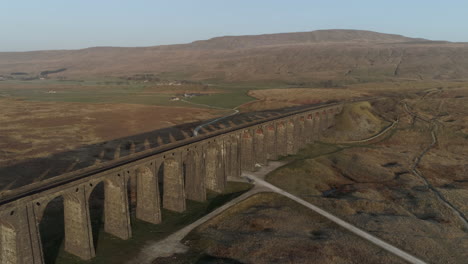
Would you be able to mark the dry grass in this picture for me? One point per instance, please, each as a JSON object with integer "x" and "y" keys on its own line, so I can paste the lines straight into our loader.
{"x": 268, "y": 228}
{"x": 298, "y": 58}
{"x": 38, "y": 129}
{"x": 374, "y": 188}
{"x": 276, "y": 98}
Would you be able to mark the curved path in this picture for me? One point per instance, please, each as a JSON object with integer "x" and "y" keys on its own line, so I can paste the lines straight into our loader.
{"x": 384, "y": 131}
{"x": 195, "y": 131}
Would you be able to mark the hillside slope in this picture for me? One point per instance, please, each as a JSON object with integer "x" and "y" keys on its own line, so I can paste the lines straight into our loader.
{"x": 290, "y": 57}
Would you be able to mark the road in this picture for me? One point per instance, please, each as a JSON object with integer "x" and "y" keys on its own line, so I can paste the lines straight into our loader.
{"x": 396, "y": 251}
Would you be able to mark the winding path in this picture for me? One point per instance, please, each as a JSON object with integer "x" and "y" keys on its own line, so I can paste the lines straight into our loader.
{"x": 384, "y": 131}
{"x": 414, "y": 167}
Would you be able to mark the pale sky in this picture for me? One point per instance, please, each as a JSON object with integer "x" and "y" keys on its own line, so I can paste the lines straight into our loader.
{"x": 52, "y": 24}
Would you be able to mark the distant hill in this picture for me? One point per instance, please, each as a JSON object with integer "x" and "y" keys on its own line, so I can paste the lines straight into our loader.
{"x": 317, "y": 56}
{"x": 313, "y": 37}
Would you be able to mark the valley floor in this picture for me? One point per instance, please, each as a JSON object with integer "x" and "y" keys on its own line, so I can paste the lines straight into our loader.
{"x": 407, "y": 187}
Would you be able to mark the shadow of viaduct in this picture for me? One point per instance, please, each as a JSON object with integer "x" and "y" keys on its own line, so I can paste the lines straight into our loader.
{"x": 148, "y": 171}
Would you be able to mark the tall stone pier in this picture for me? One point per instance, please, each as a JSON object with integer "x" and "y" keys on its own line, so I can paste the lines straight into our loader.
{"x": 148, "y": 205}
{"x": 195, "y": 172}
{"x": 116, "y": 210}
{"x": 78, "y": 230}
{"x": 174, "y": 188}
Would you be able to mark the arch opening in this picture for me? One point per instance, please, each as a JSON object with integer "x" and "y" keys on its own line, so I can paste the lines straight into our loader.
{"x": 52, "y": 229}
{"x": 160, "y": 179}
{"x": 96, "y": 211}
{"x": 184, "y": 172}
{"x": 132, "y": 195}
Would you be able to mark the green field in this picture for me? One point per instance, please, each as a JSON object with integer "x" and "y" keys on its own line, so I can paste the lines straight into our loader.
{"x": 227, "y": 98}
{"x": 232, "y": 95}
{"x": 130, "y": 92}
{"x": 85, "y": 93}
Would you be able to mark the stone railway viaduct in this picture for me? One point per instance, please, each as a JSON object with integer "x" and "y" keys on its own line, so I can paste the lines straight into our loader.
{"x": 188, "y": 167}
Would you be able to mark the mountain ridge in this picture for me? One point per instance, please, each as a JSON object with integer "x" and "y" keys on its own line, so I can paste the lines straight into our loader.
{"x": 354, "y": 55}
{"x": 316, "y": 36}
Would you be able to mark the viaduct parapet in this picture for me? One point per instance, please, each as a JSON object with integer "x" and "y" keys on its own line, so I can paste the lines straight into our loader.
{"x": 184, "y": 170}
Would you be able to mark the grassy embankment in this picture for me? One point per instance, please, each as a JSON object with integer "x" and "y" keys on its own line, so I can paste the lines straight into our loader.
{"x": 356, "y": 121}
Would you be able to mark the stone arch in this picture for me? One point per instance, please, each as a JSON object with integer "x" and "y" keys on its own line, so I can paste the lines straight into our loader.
{"x": 92, "y": 185}
{"x": 160, "y": 179}
{"x": 95, "y": 196}
{"x": 40, "y": 205}
{"x": 132, "y": 194}
{"x": 51, "y": 227}
{"x": 184, "y": 172}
